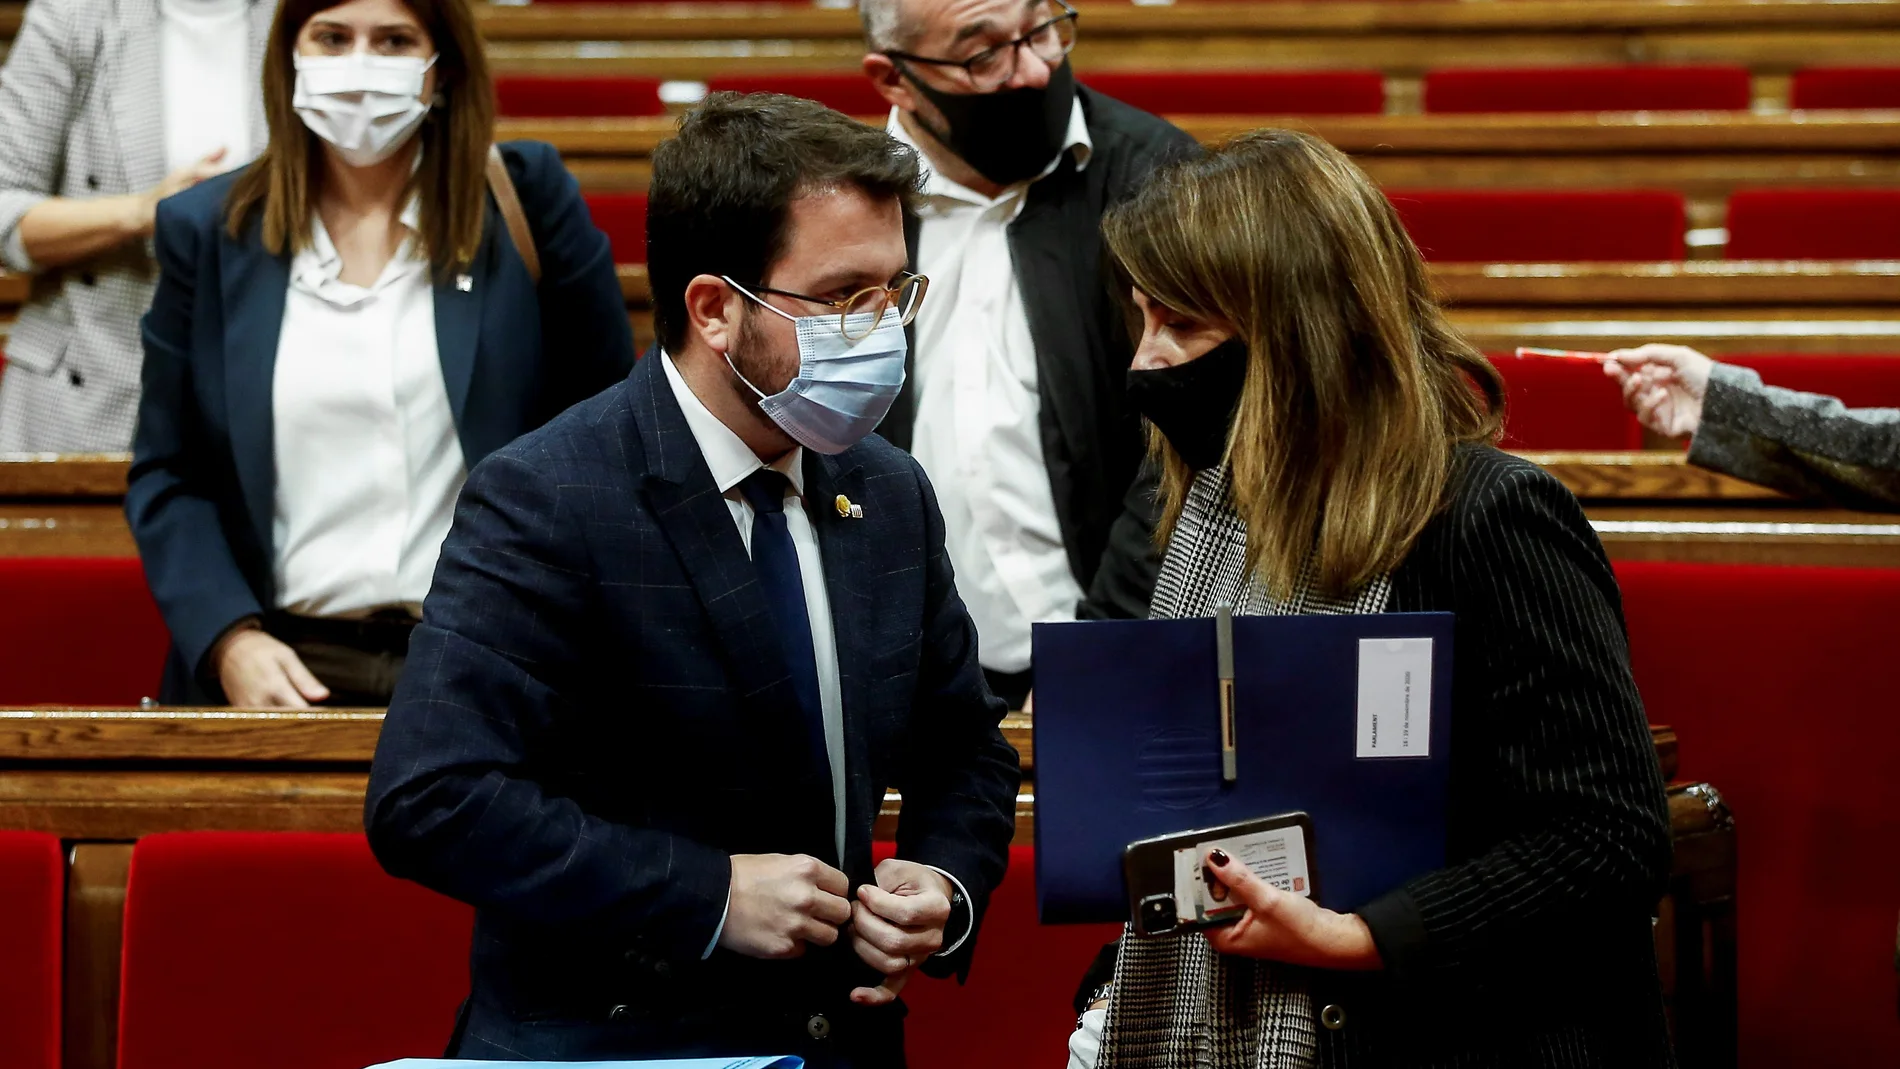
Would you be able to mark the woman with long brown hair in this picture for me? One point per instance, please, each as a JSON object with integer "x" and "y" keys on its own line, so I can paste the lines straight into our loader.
{"x": 1325, "y": 443}
{"x": 340, "y": 332}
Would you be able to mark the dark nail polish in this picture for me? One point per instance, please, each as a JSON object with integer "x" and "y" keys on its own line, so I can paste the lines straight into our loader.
{"x": 1219, "y": 858}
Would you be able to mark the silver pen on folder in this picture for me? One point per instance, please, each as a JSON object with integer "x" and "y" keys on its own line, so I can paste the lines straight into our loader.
{"x": 1224, "y": 655}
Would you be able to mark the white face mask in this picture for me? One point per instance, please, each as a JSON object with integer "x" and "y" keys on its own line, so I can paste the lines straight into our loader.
{"x": 843, "y": 387}
{"x": 367, "y": 106}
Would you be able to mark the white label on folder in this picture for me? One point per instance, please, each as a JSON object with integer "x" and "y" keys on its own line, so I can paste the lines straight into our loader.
{"x": 1395, "y": 697}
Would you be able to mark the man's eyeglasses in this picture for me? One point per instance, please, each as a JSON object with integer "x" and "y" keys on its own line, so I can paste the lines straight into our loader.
{"x": 992, "y": 68}
{"x": 866, "y": 306}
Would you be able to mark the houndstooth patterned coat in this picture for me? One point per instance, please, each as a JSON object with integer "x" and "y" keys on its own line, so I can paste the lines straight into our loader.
{"x": 81, "y": 116}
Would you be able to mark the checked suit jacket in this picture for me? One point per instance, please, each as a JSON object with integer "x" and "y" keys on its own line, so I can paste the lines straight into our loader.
{"x": 595, "y": 714}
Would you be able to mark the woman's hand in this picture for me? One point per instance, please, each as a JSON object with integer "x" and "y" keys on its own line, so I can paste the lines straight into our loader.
{"x": 1281, "y": 926}
{"x": 259, "y": 672}
{"x": 60, "y": 231}
{"x": 176, "y": 182}
{"x": 1663, "y": 385}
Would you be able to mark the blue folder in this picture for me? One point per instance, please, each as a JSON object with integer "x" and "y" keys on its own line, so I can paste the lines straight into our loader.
{"x": 1127, "y": 747}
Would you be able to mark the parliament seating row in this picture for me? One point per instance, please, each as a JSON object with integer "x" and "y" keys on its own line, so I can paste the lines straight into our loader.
{"x": 1243, "y": 92}
{"x": 1559, "y": 403}
{"x": 84, "y": 630}
{"x": 1554, "y": 226}
{"x": 1781, "y": 673}
{"x": 298, "y": 952}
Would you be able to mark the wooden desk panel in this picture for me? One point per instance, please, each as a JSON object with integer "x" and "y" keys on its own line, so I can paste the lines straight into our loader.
{"x": 687, "y": 41}
{"x": 63, "y": 475}
{"x": 36, "y": 530}
{"x": 1560, "y": 134}
{"x": 1117, "y": 21}
{"x": 252, "y": 770}
{"x": 1645, "y": 476}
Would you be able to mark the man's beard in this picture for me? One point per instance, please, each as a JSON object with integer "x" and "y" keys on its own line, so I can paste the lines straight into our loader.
{"x": 752, "y": 357}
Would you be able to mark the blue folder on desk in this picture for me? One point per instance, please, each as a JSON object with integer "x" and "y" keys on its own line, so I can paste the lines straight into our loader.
{"x": 1128, "y": 746}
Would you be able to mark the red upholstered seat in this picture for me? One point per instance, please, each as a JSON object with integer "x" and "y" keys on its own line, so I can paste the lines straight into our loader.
{"x": 849, "y": 92}
{"x": 1245, "y": 92}
{"x": 1814, "y": 224}
{"x": 1015, "y": 1010}
{"x": 536, "y": 96}
{"x": 1543, "y": 227}
{"x": 1779, "y": 682}
{"x": 1559, "y": 404}
{"x": 78, "y": 631}
{"x": 285, "y": 950}
{"x": 1556, "y": 403}
{"x": 1630, "y": 88}
{"x": 1846, "y": 87}
{"x": 1859, "y": 380}
{"x": 32, "y": 886}
{"x": 623, "y": 216}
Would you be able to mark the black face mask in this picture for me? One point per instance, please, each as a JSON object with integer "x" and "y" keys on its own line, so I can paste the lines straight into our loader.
{"x": 1193, "y": 403}
{"x": 1008, "y": 135}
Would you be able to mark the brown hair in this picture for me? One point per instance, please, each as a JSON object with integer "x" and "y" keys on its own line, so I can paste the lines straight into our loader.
{"x": 1357, "y": 391}
{"x": 452, "y": 182}
{"x": 722, "y": 189}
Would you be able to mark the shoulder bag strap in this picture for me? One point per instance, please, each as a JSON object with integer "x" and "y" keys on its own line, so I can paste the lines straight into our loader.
{"x": 511, "y": 213}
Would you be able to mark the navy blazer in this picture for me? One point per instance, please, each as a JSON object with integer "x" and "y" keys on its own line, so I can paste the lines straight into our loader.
{"x": 200, "y": 494}
{"x": 596, "y": 713}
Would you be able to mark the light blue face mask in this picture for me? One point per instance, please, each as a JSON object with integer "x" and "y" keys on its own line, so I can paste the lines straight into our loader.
{"x": 843, "y": 387}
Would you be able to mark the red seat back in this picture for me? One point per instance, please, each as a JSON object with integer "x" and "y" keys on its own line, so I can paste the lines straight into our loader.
{"x": 851, "y": 93}
{"x": 1015, "y": 1009}
{"x": 1589, "y": 89}
{"x": 1859, "y": 380}
{"x": 623, "y": 216}
{"x": 1814, "y": 224}
{"x": 1779, "y": 682}
{"x": 1845, "y": 87}
{"x": 78, "y": 631}
{"x": 538, "y": 96}
{"x": 1557, "y": 403}
{"x": 1491, "y": 226}
{"x": 32, "y": 886}
{"x": 1245, "y": 92}
{"x": 293, "y": 951}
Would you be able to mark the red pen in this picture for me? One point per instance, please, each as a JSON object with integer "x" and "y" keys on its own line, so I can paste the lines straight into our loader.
{"x": 1566, "y": 354}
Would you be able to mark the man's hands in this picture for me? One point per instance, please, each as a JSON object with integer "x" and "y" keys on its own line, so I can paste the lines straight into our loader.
{"x": 259, "y": 672}
{"x": 1287, "y": 927}
{"x": 1663, "y": 384}
{"x": 779, "y": 903}
{"x": 897, "y": 924}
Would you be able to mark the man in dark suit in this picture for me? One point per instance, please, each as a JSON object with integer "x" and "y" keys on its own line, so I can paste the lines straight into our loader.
{"x": 682, "y": 638}
{"x": 1015, "y": 404}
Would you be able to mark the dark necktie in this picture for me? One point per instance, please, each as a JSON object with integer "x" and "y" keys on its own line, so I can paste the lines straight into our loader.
{"x": 777, "y": 561}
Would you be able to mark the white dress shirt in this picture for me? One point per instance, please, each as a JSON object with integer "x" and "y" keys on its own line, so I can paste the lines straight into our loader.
{"x": 979, "y": 432}
{"x": 205, "y": 75}
{"x": 368, "y": 461}
{"x": 731, "y": 460}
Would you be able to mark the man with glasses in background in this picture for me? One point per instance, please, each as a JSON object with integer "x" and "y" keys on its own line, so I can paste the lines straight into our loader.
{"x": 1015, "y": 404}
{"x": 683, "y": 637}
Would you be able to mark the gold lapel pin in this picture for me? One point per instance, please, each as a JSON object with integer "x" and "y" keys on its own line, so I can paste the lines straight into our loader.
{"x": 847, "y": 510}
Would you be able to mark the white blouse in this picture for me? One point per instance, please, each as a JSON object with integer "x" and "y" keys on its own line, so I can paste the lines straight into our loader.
{"x": 368, "y": 462}
{"x": 207, "y": 80}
